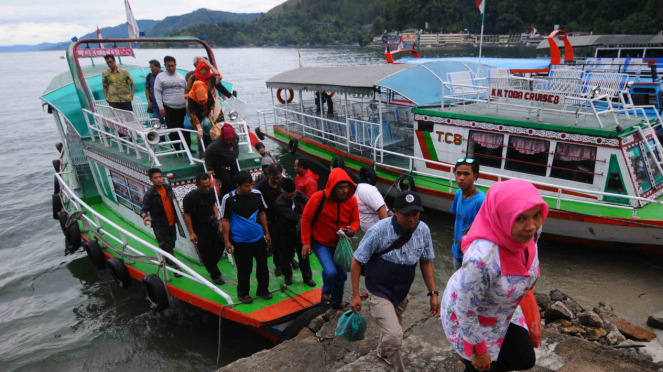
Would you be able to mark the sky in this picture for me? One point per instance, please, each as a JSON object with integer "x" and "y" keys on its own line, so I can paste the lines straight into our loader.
{"x": 38, "y": 21}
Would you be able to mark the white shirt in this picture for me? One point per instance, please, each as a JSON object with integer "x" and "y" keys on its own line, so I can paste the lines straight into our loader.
{"x": 370, "y": 201}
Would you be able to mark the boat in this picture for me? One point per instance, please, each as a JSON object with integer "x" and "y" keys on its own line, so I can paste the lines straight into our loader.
{"x": 100, "y": 179}
{"x": 578, "y": 137}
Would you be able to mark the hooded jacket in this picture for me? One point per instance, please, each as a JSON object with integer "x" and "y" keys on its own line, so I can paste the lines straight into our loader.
{"x": 308, "y": 183}
{"x": 335, "y": 214}
{"x": 218, "y": 156}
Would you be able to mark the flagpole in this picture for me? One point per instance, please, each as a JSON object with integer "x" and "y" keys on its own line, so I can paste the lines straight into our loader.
{"x": 483, "y": 15}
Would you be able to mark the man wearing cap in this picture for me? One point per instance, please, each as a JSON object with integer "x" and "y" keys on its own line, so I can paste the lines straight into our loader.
{"x": 389, "y": 252}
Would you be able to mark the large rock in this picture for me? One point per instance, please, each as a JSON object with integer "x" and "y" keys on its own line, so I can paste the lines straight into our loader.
{"x": 632, "y": 331}
{"x": 595, "y": 332}
{"x": 558, "y": 310}
{"x": 543, "y": 300}
{"x": 604, "y": 310}
{"x": 590, "y": 319}
{"x": 614, "y": 338}
{"x": 289, "y": 356}
{"x": 655, "y": 322}
{"x": 557, "y": 295}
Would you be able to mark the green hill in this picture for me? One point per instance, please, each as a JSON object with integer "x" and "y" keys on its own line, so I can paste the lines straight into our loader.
{"x": 200, "y": 16}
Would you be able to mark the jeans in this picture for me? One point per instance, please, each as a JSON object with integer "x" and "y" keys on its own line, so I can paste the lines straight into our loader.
{"x": 333, "y": 276}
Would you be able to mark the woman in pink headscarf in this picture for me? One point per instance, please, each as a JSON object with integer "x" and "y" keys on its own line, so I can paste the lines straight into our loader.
{"x": 481, "y": 316}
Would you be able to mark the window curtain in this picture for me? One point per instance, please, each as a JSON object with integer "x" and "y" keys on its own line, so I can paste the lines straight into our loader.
{"x": 568, "y": 152}
{"x": 488, "y": 140}
{"x": 528, "y": 146}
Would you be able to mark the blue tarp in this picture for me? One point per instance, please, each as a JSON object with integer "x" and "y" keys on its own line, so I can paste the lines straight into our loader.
{"x": 510, "y": 63}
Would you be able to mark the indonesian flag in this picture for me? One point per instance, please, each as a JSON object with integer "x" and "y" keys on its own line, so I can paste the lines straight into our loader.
{"x": 101, "y": 45}
{"x": 533, "y": 31}
{"x": 300, "y": 58}
{"x": 132, "y": 25}
{"x": 400, "y": 43}
{"x": 481, "y": 4}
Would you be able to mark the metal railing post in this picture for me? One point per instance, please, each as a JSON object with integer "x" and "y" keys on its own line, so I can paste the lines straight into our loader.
{"x": 89, "y": 128}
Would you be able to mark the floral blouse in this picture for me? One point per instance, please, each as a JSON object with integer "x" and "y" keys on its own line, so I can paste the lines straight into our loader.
{"x": 479, "y": 303}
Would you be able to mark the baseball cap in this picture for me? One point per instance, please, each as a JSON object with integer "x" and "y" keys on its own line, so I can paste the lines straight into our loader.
{"x": 408, "y": 201}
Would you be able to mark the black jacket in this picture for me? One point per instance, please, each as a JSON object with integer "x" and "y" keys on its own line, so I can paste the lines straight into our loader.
{"x": 218, "y": 157}
{"x": 287, "y": 219}
{"x": 153, "y": 205}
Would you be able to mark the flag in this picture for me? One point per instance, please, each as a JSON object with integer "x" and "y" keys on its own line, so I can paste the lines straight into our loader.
{"x": 415, "y": 45}
{"x": 400, "y": 43}
{"x": 533, "y": 31}
{"x": 134, "y": 32}
{"x": 300, "y": 58}
{"x": 481, "y": 4}
{"x": 387, "y": 49}
{"x": 101, "y": 45}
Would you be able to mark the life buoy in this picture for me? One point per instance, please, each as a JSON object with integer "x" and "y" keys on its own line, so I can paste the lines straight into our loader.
{"x": 72, "y": 236}
{"x": 95, "y": 254}
{"x": 57, "y": 205}
{"x": 56, "y": 185}
{"x": 293, "y": 145}
{"x": 330, "y": 94}
{"x": 119, "y": 272}
{"x": 56, "y": 165}
{"x": 367, "y": 175}
{"x": 337, "y": 162}
{"x": 155, "y": 293}
{"x": 289, "y": 97}
{"x": 402, "y": 185}
{"x": 260, "y": 134}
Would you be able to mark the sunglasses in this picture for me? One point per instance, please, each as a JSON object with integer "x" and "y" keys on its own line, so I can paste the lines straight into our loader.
{"x": 465, "y": 160}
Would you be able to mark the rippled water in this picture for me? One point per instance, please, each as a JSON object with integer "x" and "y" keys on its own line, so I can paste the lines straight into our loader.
{"x": 59, "y": 314}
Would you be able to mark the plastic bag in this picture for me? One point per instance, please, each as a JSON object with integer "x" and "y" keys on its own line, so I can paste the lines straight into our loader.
{"x": 532, "y": 317}
{"x": 187, "y": 122}
{"x": 351, "y": 326}
{"x": 343, "y": 253}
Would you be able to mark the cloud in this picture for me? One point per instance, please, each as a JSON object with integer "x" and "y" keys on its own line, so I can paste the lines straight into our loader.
{"x": 60, "y": 20}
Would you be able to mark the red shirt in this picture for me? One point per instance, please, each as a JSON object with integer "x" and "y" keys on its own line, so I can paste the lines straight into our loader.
{"x": 308, "y": 183}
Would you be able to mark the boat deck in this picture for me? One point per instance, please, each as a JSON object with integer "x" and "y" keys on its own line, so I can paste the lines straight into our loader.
{"x": 261, "y": 313}
{"x": 518, "y": 116}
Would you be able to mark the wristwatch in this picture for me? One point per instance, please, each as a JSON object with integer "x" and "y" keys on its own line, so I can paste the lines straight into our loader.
{"x": 433, "y": 293}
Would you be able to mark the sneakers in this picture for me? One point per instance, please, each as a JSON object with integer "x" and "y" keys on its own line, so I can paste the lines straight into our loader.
{"x": 266, "y": 296}
{"x": 310, "y": 283}
{"x": 288, "y": 281}
{"x": 246, "y": 300}
{"x": 294, "y": 264}
{"x": 278, "y": 271}
{"x": 219, "y": 281}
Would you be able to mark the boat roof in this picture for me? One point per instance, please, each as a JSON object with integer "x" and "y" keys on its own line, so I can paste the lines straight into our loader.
{"x": 420, "y": 83}
{"x": 608, "y": 41}
{"x": 508, "y": 63}
{"x": 64, "y": 79}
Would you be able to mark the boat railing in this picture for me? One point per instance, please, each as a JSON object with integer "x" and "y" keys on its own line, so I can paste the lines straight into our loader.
{"x": 122, "y": 127}
{"x": 558, "y": 193}
{"x": 97, "y": 222}
{"x": 634, "y": 67}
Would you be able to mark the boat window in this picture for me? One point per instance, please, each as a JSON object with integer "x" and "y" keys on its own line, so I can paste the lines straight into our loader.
{"x": 614, "y": 183}
{"x": 128, "y": 193}
{"x": 486, "y": 148}
{"x": 632, "y": 53}
{"x": 654, "y": 53}
{"x": 607, "y": 53}
{"x": 527, "y": 155}
{"x": 638, "y": 165}
{"x": 574, "y": 163}
{"x": 652, "y": 158}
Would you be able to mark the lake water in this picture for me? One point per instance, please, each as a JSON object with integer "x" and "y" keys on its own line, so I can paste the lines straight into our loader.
{"x": 59, "y": 314}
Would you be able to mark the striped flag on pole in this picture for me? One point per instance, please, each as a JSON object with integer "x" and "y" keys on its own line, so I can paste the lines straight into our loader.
{"x": 132, "y": 25}
{"x": 400, "y": 43}
{"x": 101, "y": 45}
{"x": 481, "y": 4}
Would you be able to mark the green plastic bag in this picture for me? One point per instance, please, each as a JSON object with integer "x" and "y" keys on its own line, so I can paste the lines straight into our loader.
{"x": 351, "y": 326}
{"x": 343, "y": 253}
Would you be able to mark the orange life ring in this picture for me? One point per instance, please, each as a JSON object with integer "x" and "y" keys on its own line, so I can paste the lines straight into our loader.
{"x": 331, "y": 94}
{"x": 289, "y": 96}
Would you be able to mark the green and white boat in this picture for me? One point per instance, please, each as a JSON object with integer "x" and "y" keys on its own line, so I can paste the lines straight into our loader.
{"x": 577, "y": 137}
{"x": 100, "y": 179}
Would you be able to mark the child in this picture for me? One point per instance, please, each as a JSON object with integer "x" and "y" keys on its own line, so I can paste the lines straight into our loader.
{"x": 266, "y": 160}
{"x": 466, "y": 204}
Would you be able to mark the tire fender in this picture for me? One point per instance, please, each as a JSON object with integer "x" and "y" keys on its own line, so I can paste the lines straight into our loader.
{"x": 367, "y": 175}
{"x": 72, "y": 237}
{"x": 95, "y": 254}
{"x": 155, "y": 293}
{"x": 56, "y": 186}
{"x": 119, "y": 272}
{"x": 337, "y": 162}
{"x": 259, "y": 133}
{"x": 56, "y": 165}
{"x": 293, "y": 145}
{"x": 57, "y": 205}
{"x": 402, "y": 185}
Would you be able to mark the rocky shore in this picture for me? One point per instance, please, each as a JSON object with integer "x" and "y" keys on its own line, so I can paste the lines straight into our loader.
{"x": 574, "y": 339}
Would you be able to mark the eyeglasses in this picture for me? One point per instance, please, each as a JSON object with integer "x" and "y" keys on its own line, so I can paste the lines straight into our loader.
{"x": 465, "y": 160}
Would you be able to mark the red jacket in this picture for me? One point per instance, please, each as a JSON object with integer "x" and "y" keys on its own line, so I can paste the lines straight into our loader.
{"x": 308, "y": 183}
{"x": 335, "y": 215}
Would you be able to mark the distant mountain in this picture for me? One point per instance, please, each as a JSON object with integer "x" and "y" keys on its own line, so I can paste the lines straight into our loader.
{"x": 200, "y": 16}
{"x": 151, "y": 28}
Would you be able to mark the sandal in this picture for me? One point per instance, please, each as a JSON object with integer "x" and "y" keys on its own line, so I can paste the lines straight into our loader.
{"x": 384, "y": 359}
{"x": 340, "y": 306}
{"x": 326, "y": 299}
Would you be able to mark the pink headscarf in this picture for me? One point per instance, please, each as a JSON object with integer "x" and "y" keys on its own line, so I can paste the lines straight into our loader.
{"x": 504, "y": 202}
